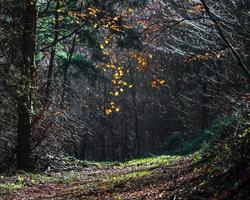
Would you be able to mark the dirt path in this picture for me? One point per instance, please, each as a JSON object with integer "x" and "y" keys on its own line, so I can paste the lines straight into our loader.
{"x": 122, "y": 181}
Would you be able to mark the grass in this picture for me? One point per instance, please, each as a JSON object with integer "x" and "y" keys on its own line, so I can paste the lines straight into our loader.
{"x": 113, "y": 174}
{"x": 28, "y": 179}
{"x": 113, "y": 181}
{"x": 11, "y": 186}
{"x": 153, "y": 162}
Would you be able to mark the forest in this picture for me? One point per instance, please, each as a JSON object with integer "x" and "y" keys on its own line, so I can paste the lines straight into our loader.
{"x": 125, "y": 99}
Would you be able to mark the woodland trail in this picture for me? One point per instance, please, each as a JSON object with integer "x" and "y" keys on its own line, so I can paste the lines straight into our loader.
{"x": 161, "y": 178}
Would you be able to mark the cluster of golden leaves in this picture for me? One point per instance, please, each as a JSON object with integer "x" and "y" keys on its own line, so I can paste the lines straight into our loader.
{"x": 113, "y": 107}
{"x": 141, "y": 61}
{"x": 117, "y": 70}
{"x": 119, "y": 84}
{"x": 104, "y": 44}
{"x": 118, "y": 76}
{"x": 157, "y": 83}
{"x": 100, "y": 18}
{"x": 205, "y": 56}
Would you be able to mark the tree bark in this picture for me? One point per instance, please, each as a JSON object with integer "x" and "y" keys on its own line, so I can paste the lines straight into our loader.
{"x": 65, "y": 76}
{"x": 53, "y": 54}
{"x": 26, "y": 85}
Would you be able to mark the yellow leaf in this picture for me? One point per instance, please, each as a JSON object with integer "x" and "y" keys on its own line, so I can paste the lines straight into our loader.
{"x": 120, "y": 82}
{"x": 101, "y": 46}
{"x": 162, "y": 82}
{"x": 117, "y": 109}
{"x": 116, "y": 93}
{"x": 105, "y": 53}
{"x": 127, "y": 27}
{"x": 116, "y": 76}
{"x": 108, "y": 111}
{"x": 106, "y": 25}
{"x": 121, "y": 73}
{"x": 106, "y": 41}
{"x": 130, "y": 10}
{"x": 59, "y": 10}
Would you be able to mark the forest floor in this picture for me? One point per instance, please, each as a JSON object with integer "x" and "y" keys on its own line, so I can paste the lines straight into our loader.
{"x": 160, "y": 177}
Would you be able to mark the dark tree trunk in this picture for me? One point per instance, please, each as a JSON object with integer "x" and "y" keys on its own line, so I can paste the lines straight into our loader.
{"x": 27, "y": 85}
{"x": 136, "y": 124}
{"x": 204, "y": 123}
{"x": 53, "y": 53}
{"x": 113, "y": 141}
{"x": 65, "y": 73}
{"x": 103, "y": 155}
{"x": 125, "y": 148}
{"x": 137, "y": 144}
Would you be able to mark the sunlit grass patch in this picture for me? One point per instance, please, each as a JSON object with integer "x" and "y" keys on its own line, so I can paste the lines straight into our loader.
{"x": 103, "y": 164}
{"x": 11, "y": 186}
{"x": 153, "y": 162}
{"x": 113, "y": 181}
{"x": 16, "y": 182}
{"x": 197, "y": 157}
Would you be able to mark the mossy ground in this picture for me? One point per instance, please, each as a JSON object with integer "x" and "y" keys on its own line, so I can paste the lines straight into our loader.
{"x": 98, "y": 177}
{"x": 160, "y": 177}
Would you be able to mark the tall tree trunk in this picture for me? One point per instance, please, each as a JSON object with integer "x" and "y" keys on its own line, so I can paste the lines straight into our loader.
{"x": 125, "y": 146}
{"x": 27, "y": 85}
{"x": 136, "y": 120}
{"x": 103, "y": 155}
{"x": 204, "y": 122}
{"x": 113, "y": 141}
{"x": 65, "y": 76}
{"x": 53, "y": 53}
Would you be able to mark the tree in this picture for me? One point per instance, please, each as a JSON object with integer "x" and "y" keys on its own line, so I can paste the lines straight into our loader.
{"x": 26, "y": 88}
{"x": 25, "y": 50}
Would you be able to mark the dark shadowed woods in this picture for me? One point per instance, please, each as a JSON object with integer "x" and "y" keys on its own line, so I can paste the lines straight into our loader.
{"x": 124, "y": 99}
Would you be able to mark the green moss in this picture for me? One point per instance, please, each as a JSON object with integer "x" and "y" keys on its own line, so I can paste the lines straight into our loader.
{"x": 153, "y": 162}
{"x": 28, "y": 179}
{"x": 197, "y": 157}
{"x": 11, "y": 186}
{"x": 113, "y": 181}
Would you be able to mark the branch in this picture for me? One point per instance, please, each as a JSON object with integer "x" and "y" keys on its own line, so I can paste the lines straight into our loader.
{"x": 60, "y": 39}
{"x": 235, "y": 53}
